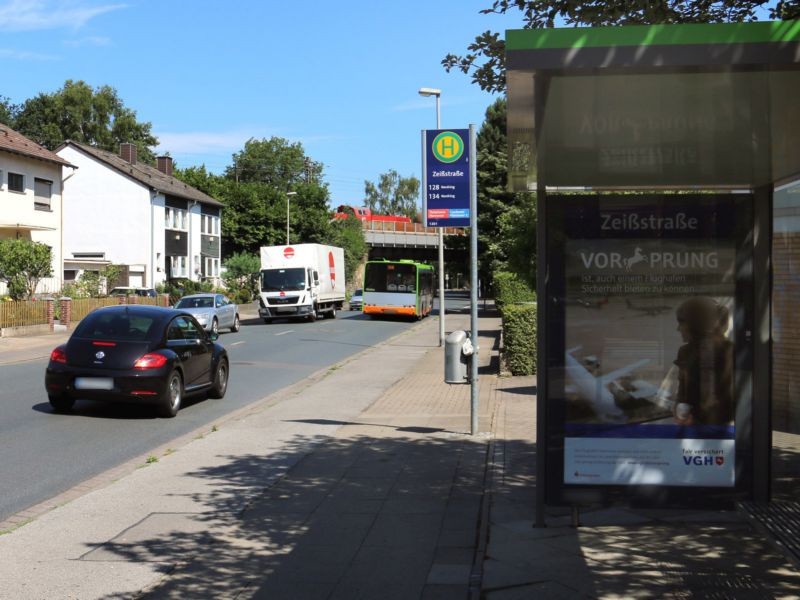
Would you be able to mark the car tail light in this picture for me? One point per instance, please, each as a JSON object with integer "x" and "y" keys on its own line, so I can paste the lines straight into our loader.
{"x": 58, "y": 355}
{"x": 150, "y": 360}
{"x": 111, "y": 344}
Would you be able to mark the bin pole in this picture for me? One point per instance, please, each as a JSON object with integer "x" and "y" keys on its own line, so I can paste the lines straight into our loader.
{"x": 473, "y": 281}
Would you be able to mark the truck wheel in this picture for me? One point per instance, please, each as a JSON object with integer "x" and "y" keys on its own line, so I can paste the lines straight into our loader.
{"x": 313, "y": 314}
{"x": 332, "y": 312}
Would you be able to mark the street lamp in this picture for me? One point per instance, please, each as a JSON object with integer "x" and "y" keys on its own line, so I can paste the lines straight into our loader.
{"x": 438, "y": 93}
{"x": 288, "y": 194}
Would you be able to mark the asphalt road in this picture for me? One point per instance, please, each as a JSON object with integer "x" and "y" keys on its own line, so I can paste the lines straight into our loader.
{"x": 44, "y": 453}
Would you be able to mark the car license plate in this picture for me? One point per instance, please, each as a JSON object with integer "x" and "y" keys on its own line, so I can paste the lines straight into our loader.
{"x": 94, "y": 383}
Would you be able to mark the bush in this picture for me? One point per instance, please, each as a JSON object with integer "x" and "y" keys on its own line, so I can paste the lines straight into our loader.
{"x": 177, "y": 288}
{"x": 509, "y": 288}
{"x": 519, "y": 338}
{"x": 241, "y": 296}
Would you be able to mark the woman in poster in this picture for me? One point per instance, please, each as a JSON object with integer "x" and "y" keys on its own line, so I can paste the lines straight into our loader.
{"x": 705, "y": 364}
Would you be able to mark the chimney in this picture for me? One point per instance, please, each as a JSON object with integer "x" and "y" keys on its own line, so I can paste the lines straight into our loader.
{"x": 128, "y": 152}
{"x": 164, "y": 164}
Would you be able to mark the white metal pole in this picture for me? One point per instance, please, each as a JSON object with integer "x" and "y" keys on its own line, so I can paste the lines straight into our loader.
{"x": 441, "y": 251}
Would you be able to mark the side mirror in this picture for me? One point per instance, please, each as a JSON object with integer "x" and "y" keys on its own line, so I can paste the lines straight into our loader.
{"x": 213, "y": 335}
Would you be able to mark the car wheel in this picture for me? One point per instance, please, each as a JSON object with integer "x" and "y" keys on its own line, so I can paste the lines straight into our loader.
{"x": 220, "y": 380}
{"x": 171, "y": 400}
{"x": 267, "y": 321}
{"x": 236, "y": 324}
{"x": 61, "y": 403}
{"x": 215, "y": 326}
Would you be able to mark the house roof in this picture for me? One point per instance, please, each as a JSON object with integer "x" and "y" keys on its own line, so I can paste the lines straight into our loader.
{"x": 145, "y": 174}
{"x": 16, "y": 143}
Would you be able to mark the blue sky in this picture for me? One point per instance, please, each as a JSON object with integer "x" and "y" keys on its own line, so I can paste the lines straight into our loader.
{"x": 341, "y": 78}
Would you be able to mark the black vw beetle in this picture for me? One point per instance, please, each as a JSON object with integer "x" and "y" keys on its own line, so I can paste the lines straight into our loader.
{"x": 138, "y": 354}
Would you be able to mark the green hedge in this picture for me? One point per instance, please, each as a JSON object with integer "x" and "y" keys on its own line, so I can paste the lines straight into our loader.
{"x": 519, "y": 338}
{"x": 510, "y": 289}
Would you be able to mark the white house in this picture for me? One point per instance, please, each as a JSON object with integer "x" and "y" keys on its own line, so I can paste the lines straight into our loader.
{"x": 31, "y": 182}
{"x": 123, "y": 212}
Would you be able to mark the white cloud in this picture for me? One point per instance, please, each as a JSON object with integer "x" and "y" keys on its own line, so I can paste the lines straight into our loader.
{"x": 201, "y": 142}
{"x": 205, "y": 142}
{"x": 23, "y": 55}
{"x": 89, "y": 41}
{"x": 33, "y": 15}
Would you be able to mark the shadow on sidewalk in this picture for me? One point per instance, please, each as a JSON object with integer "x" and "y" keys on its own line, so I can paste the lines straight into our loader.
{"x": 373, "y": 516}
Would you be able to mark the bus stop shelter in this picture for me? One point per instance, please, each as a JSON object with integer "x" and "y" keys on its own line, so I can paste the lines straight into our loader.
{"x": 666, "y": 163}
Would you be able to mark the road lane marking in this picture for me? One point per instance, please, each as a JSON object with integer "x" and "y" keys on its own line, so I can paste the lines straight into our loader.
{"x": 237, "y": 343}
{"x": 285, "y": 332}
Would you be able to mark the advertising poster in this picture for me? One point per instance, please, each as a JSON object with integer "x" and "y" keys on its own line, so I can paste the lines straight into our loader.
{"x": 649, "y": 293}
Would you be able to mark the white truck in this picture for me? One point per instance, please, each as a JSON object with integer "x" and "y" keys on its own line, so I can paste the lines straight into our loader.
{"x": 301, "y": 281}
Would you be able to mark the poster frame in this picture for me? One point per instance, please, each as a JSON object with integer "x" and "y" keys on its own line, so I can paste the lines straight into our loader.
{"x": 559, "y": 493}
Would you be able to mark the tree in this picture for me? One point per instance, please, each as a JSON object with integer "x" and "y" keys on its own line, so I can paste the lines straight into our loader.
{"x": 349, "y": 235}
{"x": 23, "y": 264}
{"x": 274, "y": 161}
{"x": 254, "y": 190}
{"x": 484, "y": 60}
{"x": 241, "y": 275}
{"x": 394, "y": 195}
{"x": 7, "y": 111}
{"x": 77, "y": 112}
{"x": 506, "y": 220}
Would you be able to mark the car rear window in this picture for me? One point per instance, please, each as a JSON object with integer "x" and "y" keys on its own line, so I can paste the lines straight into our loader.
{"x": 115, "y": 326}
{"x": 195, "y": 303}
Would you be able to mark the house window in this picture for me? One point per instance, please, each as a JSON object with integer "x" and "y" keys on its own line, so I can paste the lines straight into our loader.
{"x": 16, "y": 182}
{"x": 178, "y": 266}
{"x": 70, "y": 275}
{"x": 175, "y": 218}
{"x": 42, "y": 191}
{"x": 212, "y": 267}
{"x": 209, "y": 225}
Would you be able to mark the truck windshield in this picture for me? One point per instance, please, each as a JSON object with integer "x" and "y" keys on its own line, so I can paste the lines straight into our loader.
{"x": 281, "y": 280}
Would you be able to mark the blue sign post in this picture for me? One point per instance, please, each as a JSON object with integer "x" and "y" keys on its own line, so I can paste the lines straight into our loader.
{"x": 446, "y": 181}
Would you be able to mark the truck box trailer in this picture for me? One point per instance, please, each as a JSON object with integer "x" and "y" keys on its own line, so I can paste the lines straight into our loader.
{"x": 301, "y": 281}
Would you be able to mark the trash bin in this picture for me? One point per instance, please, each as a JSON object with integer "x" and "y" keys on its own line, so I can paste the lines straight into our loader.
{"x": 457, "y": 352}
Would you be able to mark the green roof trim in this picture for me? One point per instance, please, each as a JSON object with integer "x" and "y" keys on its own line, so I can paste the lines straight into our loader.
{"x": 758, "y": 32}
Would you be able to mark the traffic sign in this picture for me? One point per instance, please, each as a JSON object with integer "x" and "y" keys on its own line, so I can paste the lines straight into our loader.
{"x": 446, "y": 156}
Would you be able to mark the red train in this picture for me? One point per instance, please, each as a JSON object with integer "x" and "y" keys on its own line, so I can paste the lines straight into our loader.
{"x": 366, "y": 215}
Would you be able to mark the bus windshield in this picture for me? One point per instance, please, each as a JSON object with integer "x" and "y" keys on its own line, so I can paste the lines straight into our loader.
{"x": 390, "y": 277}
{"x": 282, "y": 280}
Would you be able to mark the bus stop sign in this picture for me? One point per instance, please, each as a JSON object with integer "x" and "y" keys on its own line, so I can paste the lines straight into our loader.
{"x": 446, "y": 155}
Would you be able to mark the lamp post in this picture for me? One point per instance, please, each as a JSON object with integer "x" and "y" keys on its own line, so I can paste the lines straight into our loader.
{"x": 437, "y": 94}
{"x": 288, "y": 194}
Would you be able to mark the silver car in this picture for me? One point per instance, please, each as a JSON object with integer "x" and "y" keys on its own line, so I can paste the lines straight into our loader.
{"x": 212, "y": 311}
{"x": 357, "y": 300}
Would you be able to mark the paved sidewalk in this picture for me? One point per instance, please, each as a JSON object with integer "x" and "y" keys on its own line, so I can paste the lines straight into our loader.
{"x": 383, "y": 496}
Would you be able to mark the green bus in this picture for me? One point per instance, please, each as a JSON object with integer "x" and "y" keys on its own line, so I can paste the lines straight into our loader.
{"x": 398, "y": 287}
